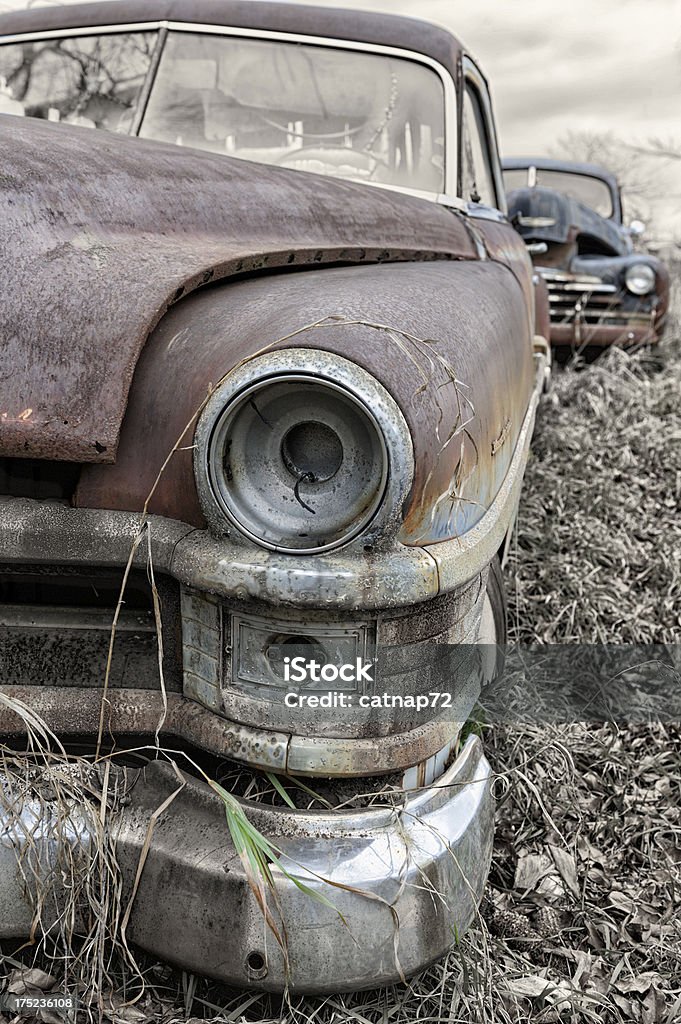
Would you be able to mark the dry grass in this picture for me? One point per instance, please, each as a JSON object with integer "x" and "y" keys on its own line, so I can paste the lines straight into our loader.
{"x": 598, "y": 551}
{"x": 580, "y": 922}
{"x": 53, "y": 800}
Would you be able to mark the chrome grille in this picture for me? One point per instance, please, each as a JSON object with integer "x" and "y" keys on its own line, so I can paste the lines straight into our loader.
{"x": 56, "y": 621}
{"x": 588, "y": 299}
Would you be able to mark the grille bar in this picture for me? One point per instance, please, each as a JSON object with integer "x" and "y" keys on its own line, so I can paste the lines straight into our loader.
{"x": 583, "y": 288}
{"x": 81, "y": 619}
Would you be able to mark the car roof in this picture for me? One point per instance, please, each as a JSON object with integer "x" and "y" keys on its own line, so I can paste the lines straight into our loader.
{"x": 265, "y": 15}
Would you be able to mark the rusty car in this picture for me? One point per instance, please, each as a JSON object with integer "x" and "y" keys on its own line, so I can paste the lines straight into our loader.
{"x": 270, "y": 359}
{"x": 601, "y": 291}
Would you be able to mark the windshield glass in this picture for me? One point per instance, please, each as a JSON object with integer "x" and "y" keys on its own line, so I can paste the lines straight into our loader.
{"x": 363, "y": 116}
{"x": 93, "y": 81}
{"x": 593, "y": 192}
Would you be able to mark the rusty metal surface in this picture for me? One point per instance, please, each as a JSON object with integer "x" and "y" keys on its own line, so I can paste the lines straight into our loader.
{"x": 194, "y": 906}
{"x": 101, "y": 233}
{"x": 69, "y": 646}
{"x": 475, "y": 322}
{"x": 358, "y": 26}
{"x": 566, "y": 219}
{"x": 454, "y": 558}
{"x": 504, "y": 245}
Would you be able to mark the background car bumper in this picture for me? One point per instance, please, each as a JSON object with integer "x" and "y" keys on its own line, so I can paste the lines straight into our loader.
{"x": 406, "y": 880}
{"x": 575, "y": 333}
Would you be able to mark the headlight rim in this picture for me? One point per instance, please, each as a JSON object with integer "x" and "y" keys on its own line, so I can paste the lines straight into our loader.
{"x": 352, "y": 382}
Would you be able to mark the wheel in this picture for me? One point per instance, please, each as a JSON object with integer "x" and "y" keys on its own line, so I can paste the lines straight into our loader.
{"x": 493, "y": 629}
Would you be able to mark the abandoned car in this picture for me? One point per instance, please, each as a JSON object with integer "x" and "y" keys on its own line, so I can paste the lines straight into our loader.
{"x": 601, "y": 291}
{"x": 271, "y": 356}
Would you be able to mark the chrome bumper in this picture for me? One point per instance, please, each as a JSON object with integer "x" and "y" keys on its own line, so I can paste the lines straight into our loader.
{"x": 406, "y": 881}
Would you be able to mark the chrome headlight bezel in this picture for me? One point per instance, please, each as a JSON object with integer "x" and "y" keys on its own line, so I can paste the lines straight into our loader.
{"x": 373, "y": 414}
{"x": 640, "y": 278}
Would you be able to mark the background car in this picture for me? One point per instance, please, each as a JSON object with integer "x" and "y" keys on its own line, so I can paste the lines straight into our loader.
{"x": 601, "y": 291}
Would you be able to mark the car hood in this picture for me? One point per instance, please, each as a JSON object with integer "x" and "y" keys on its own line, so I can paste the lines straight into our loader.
{"x": 102, "y": 233}
{"x": 564, "y": 219}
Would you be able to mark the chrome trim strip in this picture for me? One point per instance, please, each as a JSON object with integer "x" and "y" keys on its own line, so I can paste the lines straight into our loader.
{"x": 74, "y": 711}
{"x": 49, "y": 533}
{"x": 473, "y": 73}
{"x": 627, "y": 316}
{"x": 560, "y": 288}
{"x": 558, "y": 278}
{"x": 88, "y": 30}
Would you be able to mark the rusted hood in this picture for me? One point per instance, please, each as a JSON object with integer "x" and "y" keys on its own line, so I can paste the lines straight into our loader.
{"x": 99, "y": 234}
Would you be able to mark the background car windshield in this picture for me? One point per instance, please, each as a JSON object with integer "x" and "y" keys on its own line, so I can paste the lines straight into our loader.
{"x": 87, "y": 80}
{"x": 593, "y": 192}
{"x": 367, "y": 117}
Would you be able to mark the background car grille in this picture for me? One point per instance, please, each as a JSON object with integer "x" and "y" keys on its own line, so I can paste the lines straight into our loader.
{"x": 589, "y": 299}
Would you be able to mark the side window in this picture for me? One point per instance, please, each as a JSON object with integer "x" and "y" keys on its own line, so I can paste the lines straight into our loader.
{"x": 477, "y": 176}
{"x": 88, "y": 80}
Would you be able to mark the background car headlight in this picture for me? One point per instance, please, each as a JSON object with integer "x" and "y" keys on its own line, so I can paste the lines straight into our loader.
{"x": 292, "y": 451}
{"x": 640, "y": 278}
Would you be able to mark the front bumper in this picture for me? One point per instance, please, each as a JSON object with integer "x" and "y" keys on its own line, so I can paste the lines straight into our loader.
{"x": 579, "y": 332}
{"x": 405, "y": 880}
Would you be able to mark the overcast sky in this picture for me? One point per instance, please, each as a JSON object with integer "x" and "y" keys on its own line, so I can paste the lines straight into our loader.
{"x": 596, "y": 65}
{"x": 587, "y": 65}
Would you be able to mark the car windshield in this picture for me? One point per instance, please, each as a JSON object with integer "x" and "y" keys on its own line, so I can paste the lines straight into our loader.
{"x": 340, "y": 112}
{"x": 94, "y": 81}
{"x": 593, "y": 192}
